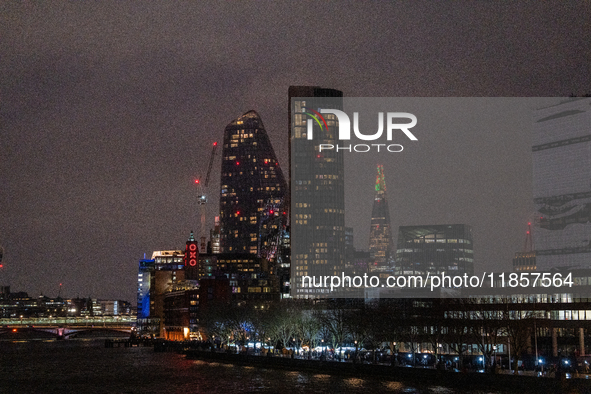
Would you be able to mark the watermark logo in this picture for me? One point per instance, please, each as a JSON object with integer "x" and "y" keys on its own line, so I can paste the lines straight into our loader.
{"x": 316, "y": 115}
{"x": 393, "y": 124}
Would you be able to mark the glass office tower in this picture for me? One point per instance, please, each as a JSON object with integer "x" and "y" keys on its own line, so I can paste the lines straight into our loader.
{"x": 562, "y": 184}
{"x": 317, "y": 189}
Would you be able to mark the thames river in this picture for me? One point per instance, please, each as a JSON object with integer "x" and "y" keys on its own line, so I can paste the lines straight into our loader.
{"x": 86, "y": 366}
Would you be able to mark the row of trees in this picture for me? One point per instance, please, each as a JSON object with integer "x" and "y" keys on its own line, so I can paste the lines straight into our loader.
{"x": 387, "y": 324}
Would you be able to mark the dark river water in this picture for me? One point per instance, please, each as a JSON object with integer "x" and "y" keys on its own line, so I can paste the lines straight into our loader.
{"x": 86, "y": 366}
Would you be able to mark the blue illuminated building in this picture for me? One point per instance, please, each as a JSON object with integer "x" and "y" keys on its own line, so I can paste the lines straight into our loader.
{"x": 146, "y": 268}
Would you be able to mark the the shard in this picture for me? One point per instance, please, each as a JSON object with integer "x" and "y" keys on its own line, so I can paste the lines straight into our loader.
{"x": 380, "y": 237}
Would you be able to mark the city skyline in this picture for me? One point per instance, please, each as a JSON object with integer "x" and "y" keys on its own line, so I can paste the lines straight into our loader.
{"x": 109, "y": 112}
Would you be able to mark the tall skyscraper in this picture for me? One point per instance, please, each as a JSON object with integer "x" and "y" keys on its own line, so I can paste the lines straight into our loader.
{"x": 317, "y": 190}
{"x": 435, "y": 249}
{"x": 252, "y": 185}
{"x": 380, "y": 236}
{"x": 562, "y": 184}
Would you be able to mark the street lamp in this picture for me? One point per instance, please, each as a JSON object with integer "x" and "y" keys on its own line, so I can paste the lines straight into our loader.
{"x": 495, "y": 350}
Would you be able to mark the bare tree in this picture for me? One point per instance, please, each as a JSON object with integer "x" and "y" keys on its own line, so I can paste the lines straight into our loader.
{"x": 308, "y": 329}
{"x": 457, "y": 331}
{"x": 358, "y": 326}
{"x": 333, "y": 319}
{"x": 485, "y": 328}
{"x": 282, "y": 323}
{"x": 517, "y": 326}
{"x": 388, "y": 325}
{"x": 434, "y": 327}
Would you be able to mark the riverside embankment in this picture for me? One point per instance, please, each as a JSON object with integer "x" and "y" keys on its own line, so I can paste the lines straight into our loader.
{"x": 426, "y": 376}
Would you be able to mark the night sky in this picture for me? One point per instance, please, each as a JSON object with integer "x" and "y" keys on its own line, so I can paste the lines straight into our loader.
{"x": 108, "y": 111}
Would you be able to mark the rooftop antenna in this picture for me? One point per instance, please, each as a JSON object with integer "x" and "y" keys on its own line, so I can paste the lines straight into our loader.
{"x": 529, "y": 242}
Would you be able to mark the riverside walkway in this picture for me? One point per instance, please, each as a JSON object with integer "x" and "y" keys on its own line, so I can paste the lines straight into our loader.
{"x": 526, "y": 382}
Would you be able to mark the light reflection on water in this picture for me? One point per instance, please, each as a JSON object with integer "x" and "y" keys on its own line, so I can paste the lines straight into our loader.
{"x": 441, "y": 390}
{"x": 393, "y": 386}
{"x": 87, "y": 367}
{"x": 354, "y": 382}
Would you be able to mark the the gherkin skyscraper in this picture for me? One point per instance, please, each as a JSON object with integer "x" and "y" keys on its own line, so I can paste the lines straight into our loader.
{"x": 380, "y": 237}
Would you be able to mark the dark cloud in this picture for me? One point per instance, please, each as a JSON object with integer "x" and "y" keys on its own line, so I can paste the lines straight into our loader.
{"x": 109, "y": 108}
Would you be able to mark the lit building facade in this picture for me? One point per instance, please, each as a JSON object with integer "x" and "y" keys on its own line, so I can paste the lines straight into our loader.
{"x": 181, "y": 304}
{"x": 562, "y": 184}
{"x": 215, "y": 236}
{"x": 146, "y": 268}
{"x": 380, "y": 237}
{"x": 251, "y": 278}
{"x": 317, "y": 214}
{"x": 192, "y": 258}
{"x": 524, "y": 261}
{"x": 251, "y": 181}
{"x": 435, "y": 249}
{"x": 169, "y": 270}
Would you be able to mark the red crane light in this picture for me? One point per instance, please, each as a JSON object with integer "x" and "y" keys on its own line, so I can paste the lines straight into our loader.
{"x": 215, "y": 144}
{"x": 197, "y": 181}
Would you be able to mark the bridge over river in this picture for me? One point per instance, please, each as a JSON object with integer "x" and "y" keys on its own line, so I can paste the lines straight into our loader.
{"x": 64, "y": 328}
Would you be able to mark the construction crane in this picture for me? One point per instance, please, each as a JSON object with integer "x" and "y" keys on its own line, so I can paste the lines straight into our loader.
{"x": 202, "y": 197}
